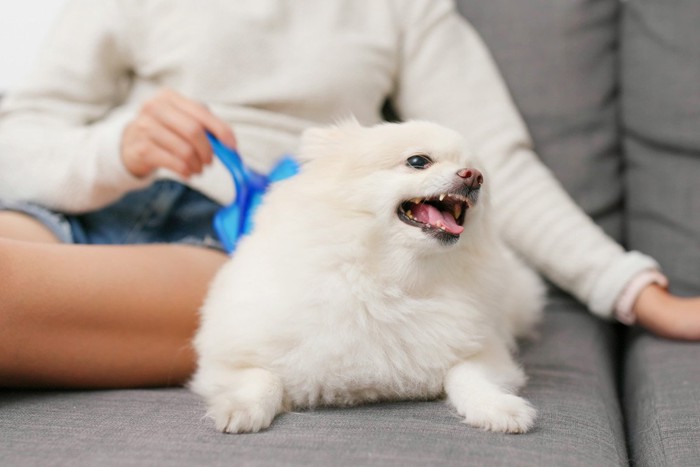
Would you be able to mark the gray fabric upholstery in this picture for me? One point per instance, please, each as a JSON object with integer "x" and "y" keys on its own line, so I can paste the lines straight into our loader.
{"x": 660, "y": 61}
{"x": 571, "y": 382}
{"x": 660, "y": 66}
{"x": 559, "y": 59}
{"x": 662, "y": 401}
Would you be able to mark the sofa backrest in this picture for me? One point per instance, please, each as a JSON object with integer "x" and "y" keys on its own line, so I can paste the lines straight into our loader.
{"x": 559, "y": 59}
{"x": 660, "y": 64}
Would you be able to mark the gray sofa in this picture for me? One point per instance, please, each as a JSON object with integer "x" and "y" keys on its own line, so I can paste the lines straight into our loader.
{"x": 611, "y": 93}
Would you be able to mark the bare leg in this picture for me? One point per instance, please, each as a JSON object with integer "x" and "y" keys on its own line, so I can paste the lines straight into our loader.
{"x": 99, "y": 316}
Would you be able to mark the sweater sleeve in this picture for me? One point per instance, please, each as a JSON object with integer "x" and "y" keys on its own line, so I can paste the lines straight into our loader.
{"x": 60, "y": 131}
{"x": 448, "y": 76}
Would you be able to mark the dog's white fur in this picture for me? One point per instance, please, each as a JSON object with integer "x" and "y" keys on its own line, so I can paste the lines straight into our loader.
{"x": 334, "y": 301}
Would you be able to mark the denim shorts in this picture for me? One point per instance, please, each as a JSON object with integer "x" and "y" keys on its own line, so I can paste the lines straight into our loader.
{"x": 165, "y": 212}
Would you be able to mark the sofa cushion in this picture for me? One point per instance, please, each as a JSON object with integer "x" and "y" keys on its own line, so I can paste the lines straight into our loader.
{"x": 559, "y": 61}
{"x": 571, "y": 384}
{"x": 661, "y": 401}
{"x": 660, "y": 62}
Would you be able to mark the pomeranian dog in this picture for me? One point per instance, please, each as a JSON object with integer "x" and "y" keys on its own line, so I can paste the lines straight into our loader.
{"x": 375, "y": 274}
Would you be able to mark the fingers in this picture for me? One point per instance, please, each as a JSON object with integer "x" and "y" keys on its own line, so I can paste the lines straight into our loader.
{"x": 202, "y": 114}
{"x": 186, "y": 138}
{"x": 170, "y": 132}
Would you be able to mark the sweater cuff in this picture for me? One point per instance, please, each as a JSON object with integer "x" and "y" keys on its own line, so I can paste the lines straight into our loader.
{"x": 108, "y": 140}
{"x": 614, "y": 280}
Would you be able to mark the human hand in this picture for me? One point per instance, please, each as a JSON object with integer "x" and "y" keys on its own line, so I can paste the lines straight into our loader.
{"x": 170, "y": 132}
{"x": 667, "y": 315}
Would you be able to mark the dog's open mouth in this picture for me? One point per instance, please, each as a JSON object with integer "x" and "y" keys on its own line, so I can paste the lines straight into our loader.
{"x": 443, "y": 214}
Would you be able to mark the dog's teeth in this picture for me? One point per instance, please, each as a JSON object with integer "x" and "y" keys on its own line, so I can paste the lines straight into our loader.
{"x": 458, "y": 211}
{"x": 409, "y": 214}
{"x": 442, "y": 196}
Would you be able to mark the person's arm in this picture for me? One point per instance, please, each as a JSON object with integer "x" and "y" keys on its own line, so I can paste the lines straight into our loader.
{"x": 61, "y": 129}
{"x": 448, "y": 76}
{"x": 667, "y": 315}
{"x": 68, "y": 137}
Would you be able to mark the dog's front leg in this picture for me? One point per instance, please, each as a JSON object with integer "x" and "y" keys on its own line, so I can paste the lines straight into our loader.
{"x": 482, "y": 390}
{"x": 239, "y": 400}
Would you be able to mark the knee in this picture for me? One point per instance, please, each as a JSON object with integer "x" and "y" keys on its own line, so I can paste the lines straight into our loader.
{"x": 10, "y": 290}
{"x": 6, "y": 273}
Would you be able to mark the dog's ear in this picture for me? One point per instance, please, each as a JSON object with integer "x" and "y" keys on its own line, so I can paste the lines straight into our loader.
{"x": 322, "y": 141}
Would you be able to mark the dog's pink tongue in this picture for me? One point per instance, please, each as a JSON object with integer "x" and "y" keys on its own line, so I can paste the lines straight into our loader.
{"x": 430, "y": 215}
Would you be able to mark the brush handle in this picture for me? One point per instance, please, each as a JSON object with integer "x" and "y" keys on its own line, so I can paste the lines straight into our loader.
{"x": 236, "y": 219}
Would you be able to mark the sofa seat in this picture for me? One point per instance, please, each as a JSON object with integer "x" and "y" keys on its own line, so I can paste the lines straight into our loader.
{"x": 571, "y": 368}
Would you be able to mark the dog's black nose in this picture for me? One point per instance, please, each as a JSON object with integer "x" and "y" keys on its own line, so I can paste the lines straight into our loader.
{"x": 472, "y": 178}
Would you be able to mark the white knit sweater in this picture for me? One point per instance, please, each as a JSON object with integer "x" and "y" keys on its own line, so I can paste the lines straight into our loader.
{"x": 272, "y": 68}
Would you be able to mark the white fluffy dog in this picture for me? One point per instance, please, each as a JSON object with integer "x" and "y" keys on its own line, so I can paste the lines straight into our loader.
{"x": 374, "y": 274}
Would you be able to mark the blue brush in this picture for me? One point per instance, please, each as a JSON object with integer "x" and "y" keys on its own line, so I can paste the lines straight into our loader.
{"x": 235, "y": 220}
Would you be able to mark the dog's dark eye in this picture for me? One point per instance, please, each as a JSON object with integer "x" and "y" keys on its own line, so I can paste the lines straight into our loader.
{"x": 419, "y": 161}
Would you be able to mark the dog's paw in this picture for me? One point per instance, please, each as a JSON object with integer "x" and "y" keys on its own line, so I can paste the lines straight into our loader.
{"x": 504, "y": 413}
{"x": 231, "y": 415}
